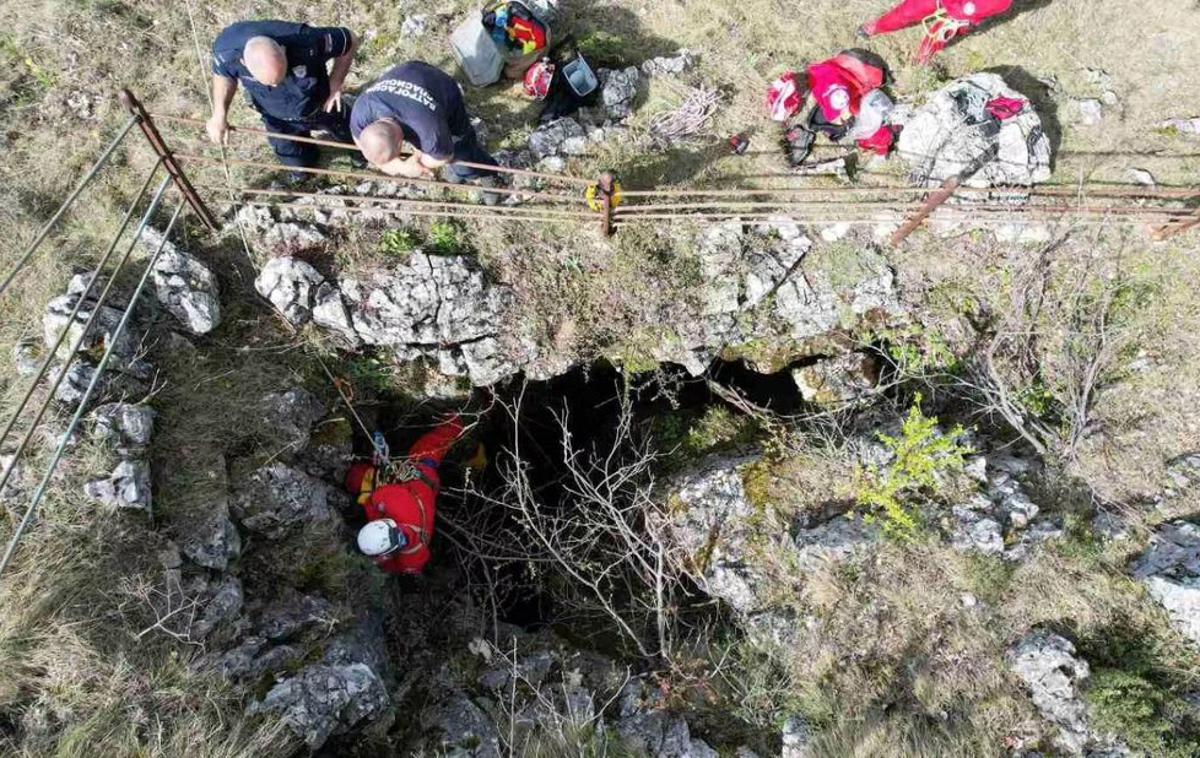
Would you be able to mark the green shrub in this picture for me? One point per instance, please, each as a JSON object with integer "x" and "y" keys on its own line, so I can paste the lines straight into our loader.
{"x": 1141, "y": 712}
{"x": 398, "y": 242}
{"x": 921, "y": 455}
{"x": 445, "y": 238}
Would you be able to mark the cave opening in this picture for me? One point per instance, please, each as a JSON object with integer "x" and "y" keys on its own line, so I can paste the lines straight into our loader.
{"x": 539, "y": 426}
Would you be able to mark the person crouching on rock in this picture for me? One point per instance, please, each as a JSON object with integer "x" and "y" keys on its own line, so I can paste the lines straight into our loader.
{"x": 848, "y": 103}
{"x": 399, "y": 498}
{"x": 944, "y": 20}
{"x": 423, "y": 106}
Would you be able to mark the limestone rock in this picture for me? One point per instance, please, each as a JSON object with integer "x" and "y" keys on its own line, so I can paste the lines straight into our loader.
{"x": 15, "y": 489}
{"x": 292, "y": 614}
{"x": 290, "y": 416}
{"x": 1188, "y": 126}
{"x": 125, "y": 426}
{"x": 1088, "y": 111}
{"x": 365, "y": 642}
{"x": 1170, "y": 569}
{"x": 649, "y": 729}
{"x": 835, "y": 541}
{"x": 835, "y": 381}
{"x": 213, "y": 541}
{"x": 128, "y": 486}
{"x": 1047, "y": 665}
{"x": 414, "y": 25}
{"x": 26, "y": 359}
{"x": 462, "y": 728}
{"x": 670, "y": 65}
{"x": 797, "y": 736}
{"x": 549, "y": 139}
{"x": 977, "y": 532}
{"x": 329, "y": 452}
{"x": 277, "y": 498}
{"x": 254, "y": 658}
{"x": 100, "y": 336}
{"x": 221, "y": 604}
{"x": 322, "y": 701}
{"x": 184, "y": 285}
{"x": 618, "y": 90}
{"x": 952, "y": 134}
{"x": 1183, "y": 474}
{"x": 291, "y": 238}
{"x": 290, "y": 284}
{"x": 439, "y": 307}
{"x": 711, "y": 523}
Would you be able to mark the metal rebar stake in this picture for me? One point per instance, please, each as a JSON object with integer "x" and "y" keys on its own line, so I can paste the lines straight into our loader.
{"x": 134, "y": 106}
{"x": 79, "y": 188}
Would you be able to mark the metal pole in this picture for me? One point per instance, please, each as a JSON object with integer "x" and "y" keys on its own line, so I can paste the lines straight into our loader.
{"x": 931, "y": 203}
{"x": 62, "y": 336}
{"x": 91, "y": 388}
{"x": 351, "y": 146}
{"x": 58, "y": 379}
{"x": 79, "y": 188}
{"x": 1168, "y": 231}
{"x": 607, "y": 185}
{"x": 403, "y": 181}
{"x": 155, "y": 139}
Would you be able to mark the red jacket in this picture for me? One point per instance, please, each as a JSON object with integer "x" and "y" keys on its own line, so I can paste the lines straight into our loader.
{"x": 843, "y": 72}
{"x": 412, "y": 504}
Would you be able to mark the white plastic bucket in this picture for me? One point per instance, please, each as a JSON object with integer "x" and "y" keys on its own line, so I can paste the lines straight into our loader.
{"x": 476, "y": 52}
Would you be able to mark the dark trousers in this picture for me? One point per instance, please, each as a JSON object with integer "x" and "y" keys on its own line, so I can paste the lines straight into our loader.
{"x": 467, "y": 148}
{"x": 302, "y": 154}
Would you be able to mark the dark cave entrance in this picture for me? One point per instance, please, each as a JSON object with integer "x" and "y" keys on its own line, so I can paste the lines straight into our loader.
{"x": 530, "y": 416}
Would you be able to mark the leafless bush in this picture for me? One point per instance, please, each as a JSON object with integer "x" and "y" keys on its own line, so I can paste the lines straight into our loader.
{"x": 595, "y": 537}
{"x": 1050, "y": 350}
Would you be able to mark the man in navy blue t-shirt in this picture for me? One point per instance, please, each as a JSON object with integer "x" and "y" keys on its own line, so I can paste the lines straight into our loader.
{"x": 421, "y": 105}
{"x": 283, "y": 68}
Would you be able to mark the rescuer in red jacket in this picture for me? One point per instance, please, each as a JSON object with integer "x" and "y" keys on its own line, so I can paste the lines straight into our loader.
{"x": 399, "y": 498}
{"x": 944, "y": 20}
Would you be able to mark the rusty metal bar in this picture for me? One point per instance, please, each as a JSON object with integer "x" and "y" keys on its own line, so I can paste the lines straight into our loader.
{"x": 1038, "y": 191}
{"x": 1174, "y": 229}
{"x": 66, "y": 204}
{"x": 935, "y": 199}
{"x": 986, "y": 208}
{"x": 859, "y": 221}
{"x": 351, "y": 146}
{"x": 503, "y": 209}
{"x": 403, "y": 181}
{"x": 435, "y": 214}
{"x": 134, "y": 106}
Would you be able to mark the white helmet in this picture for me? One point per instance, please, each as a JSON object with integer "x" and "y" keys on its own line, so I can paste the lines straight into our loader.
{"x": 380, "y": 537}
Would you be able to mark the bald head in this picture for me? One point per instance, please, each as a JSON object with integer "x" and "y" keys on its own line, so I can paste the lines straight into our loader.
{"x": 381, "y": 142}
{"x": 266, "y": 60}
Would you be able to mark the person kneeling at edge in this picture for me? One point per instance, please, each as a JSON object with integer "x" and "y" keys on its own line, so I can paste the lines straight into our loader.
{"x": 283, "y": 68}
{"x": 943, "y": 20}
{"x": 848, "y": 102}
{"x": 399, "y": 498}
{"x": 423, "y": 106}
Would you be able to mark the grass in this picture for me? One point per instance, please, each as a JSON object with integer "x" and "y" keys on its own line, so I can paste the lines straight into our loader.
{"x": 893, "y": 648}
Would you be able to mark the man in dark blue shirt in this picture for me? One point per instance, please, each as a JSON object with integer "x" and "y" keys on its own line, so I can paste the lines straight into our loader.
{"x": 421, "y": 105}
{"x": 283, "y": 68}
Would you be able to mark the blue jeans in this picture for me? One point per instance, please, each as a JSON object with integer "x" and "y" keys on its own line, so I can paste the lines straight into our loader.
{"x": 302, "y": 154}
{"x": 467, "y": 148}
